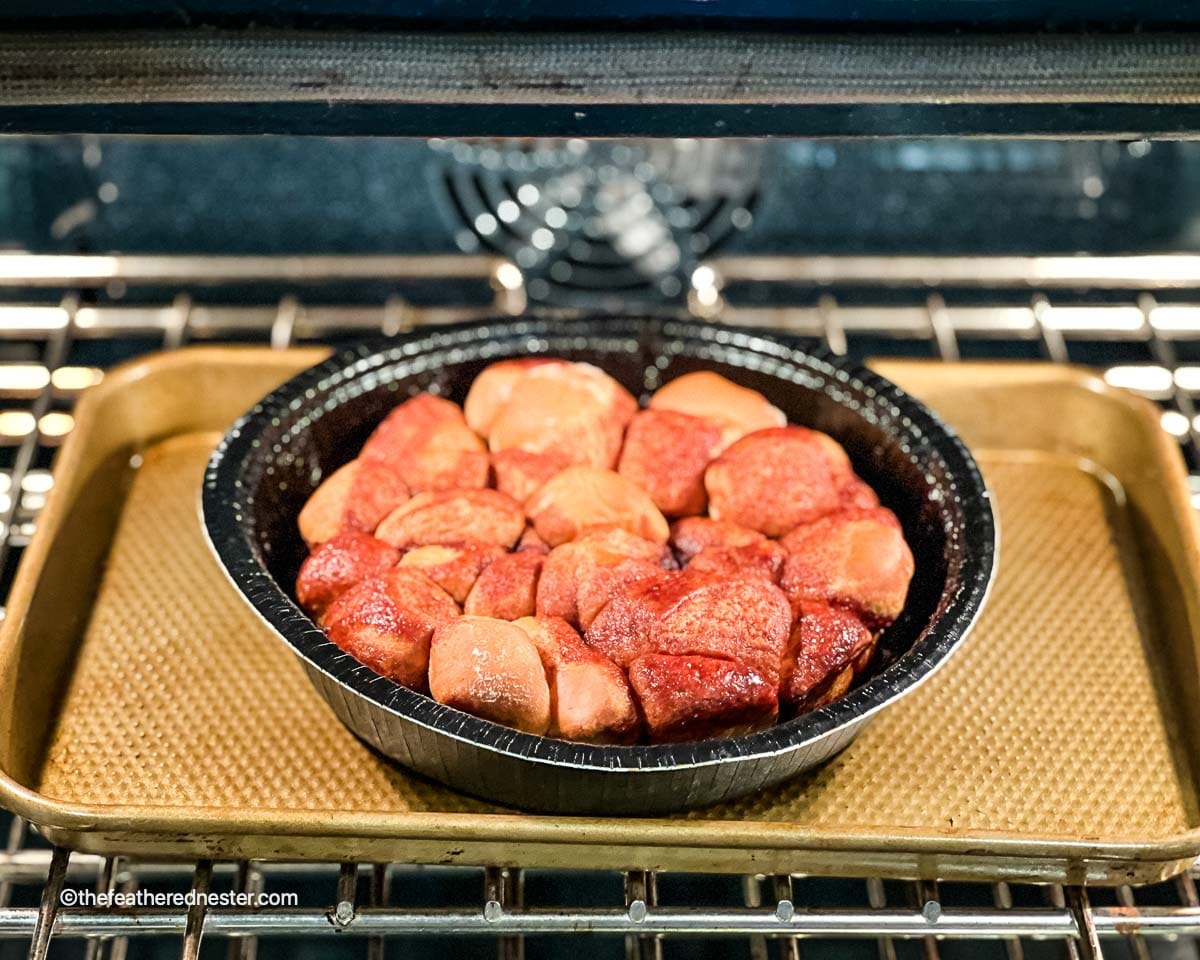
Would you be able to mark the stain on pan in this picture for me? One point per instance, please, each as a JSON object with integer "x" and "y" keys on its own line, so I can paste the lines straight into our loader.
{"x": 273, "y": 458}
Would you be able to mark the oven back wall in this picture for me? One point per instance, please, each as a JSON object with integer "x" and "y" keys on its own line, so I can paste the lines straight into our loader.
{"x": 593, "y": 222}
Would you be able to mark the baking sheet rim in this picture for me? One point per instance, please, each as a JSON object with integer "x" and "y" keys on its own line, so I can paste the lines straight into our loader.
{"x": 573, "y": 831}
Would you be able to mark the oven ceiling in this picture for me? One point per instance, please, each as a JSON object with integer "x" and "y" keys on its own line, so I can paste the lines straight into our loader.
{"x": 600, "y": 83}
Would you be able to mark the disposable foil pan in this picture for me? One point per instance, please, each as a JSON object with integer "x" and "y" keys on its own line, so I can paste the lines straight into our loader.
{"x": 273, "y": 457}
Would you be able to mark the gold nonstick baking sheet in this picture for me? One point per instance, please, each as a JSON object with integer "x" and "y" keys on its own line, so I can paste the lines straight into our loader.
{"x": 145, "y": 710}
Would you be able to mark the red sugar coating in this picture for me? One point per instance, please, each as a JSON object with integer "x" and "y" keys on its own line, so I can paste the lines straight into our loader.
{"x": 377, "y": 491}
{"x": 589, "y": 695}
{"x": 453, "y": 567}
{"x": 356, "y": 496}
{"x": 854, "y": 493}
{"x": 454, "y": 516}
{"x": 602, "y": 583}
{"x": 337, "y": 565}
{"x": 386, "y": 623}
{"x": 692, "y": 534}
{"x": 507, "y": 589}
{"x": 707, "y": 651}
{"x": 854, "y": 558}
{"x": 436, "y": 468}
{"x": 743, "y": 618}
{"x": 703, "y": 393}
{"x": 824, "y": 641}
{"x": 764, "y": 559}
{"x": 773, "y": 480}
{"x": 520, "y": 473}
{"x": 427, "y": 440}
{"x": 694, "y": 697}
{"x": 666, "y": 454}
{"x": 556, "y": 641}
{"x": 570, "y": 565}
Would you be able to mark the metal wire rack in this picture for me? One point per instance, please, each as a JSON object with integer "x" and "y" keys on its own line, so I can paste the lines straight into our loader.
{"x": 1139, "y": 317}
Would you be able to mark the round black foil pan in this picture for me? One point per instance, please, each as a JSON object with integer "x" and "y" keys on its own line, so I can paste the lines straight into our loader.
{"x": 275, "y": 456}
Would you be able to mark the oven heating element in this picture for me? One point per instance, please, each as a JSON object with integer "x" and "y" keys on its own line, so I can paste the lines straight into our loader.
{"x": 1145, "y": 308}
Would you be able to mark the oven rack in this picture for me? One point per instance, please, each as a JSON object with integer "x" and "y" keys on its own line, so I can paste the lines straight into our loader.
{"x": 1149, "y": 312}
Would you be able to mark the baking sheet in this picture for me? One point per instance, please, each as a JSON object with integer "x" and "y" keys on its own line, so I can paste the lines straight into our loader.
{"x": 1055, "y": 745}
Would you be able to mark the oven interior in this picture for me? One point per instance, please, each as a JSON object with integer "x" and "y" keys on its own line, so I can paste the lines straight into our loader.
{"x": 1069, "y": 251}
